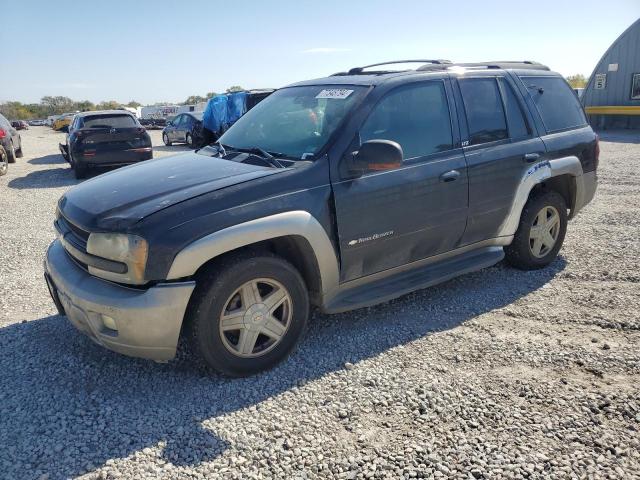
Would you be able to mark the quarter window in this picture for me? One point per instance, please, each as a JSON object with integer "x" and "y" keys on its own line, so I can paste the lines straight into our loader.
{"x": 635, "y": 87}
{"x": 557, "y": 103}
{"x": 417, "y": 117}
{"x": 485, "y": 113}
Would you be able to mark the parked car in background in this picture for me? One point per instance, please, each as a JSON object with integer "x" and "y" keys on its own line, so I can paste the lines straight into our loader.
{"x": 10, "y": 140}
{"x": 105, "y": 138}
{"x": 37, "y": 123}
{"x": 184, "y": 128}
{"x": 4, "y": 161}
{"x": 340, "y": 192}
{"x": 61, "y": 124}
{"x": 20, "y": 125}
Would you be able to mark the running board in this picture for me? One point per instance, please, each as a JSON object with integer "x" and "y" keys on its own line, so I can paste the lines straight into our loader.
{"x": 401, "y": 283}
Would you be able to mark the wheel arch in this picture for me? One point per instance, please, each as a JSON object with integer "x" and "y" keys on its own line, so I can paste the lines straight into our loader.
{"x": 295, "y": 236}
{"x": 563, "y": 175}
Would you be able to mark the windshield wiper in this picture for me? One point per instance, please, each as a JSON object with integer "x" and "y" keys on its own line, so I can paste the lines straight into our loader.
{"x": 267, "y": 156}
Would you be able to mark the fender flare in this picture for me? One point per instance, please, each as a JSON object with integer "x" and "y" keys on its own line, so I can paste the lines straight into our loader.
{"x": 297, "y": 223}
{"x": 537, "y": 174}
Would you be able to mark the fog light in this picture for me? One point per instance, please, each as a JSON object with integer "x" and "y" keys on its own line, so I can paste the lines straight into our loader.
{"x": 109, "y": 322}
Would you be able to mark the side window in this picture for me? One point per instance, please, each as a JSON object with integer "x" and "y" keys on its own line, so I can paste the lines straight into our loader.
{"x": 485, "y": 113}
{"x": 516, "y": 121}
{"x": 179, "y": 120}
{"x": 557, "y": 103}
{"x": 417, "y": 117}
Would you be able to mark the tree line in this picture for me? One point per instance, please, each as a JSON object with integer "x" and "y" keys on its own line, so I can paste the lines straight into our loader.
{"x": 57, "y": 105}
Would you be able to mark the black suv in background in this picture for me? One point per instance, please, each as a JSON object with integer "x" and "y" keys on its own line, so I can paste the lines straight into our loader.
{"x": 339, "y": 193}
{"x": 184, "y": 128}
{"x": 103, "y": 139}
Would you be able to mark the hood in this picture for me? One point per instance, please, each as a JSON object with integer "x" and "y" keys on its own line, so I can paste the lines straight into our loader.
{"x": 119, "y": 199}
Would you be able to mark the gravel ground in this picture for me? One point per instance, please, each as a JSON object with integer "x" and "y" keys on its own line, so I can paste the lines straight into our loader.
{"x": 497, "y": 374}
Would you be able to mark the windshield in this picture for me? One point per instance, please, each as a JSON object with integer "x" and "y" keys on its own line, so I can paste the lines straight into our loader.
{"x": 295, "y": 122}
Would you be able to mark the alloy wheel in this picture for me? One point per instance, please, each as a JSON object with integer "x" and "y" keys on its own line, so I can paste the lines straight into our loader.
{"x": 4, "y": 163}
{"x": 255, "y": 318}
{"x": 544, "y": 231}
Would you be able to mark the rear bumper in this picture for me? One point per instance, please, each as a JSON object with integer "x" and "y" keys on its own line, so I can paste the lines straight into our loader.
{"x": 586, "y": 185}
{"x": 148, "y": 321}
{"x": 119, "y": 157}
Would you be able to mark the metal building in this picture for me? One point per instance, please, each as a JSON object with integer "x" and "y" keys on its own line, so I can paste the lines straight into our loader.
{"x": 612, "y": 96}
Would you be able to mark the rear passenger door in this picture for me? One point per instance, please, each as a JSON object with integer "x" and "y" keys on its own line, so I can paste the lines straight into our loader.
{"x": 390, "y": 218}
{"x": 500, "y": 146}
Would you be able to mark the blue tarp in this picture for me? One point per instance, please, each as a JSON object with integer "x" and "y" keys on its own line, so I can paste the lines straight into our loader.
{"x": 222, "y": 111}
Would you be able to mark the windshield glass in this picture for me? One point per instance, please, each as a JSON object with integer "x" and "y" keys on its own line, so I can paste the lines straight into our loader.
{"x": 295, "y": 122}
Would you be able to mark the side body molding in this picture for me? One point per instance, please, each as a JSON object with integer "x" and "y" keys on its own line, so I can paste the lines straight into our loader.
{"x": 297, "y": 222}
{"x": 538, "y": 173}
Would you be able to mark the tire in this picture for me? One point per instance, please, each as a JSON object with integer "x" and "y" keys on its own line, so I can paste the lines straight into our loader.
{"x": 19, "y": 153}
{"x": 11, "y": 153}
{"x": 218, "y": 289}
{"x": 79, "y": 171}
{"x": 188, "y": 140}
{"x": 165, "y": 139}
{"x": 531, "y": 250}
{"x": 4, "y": 162}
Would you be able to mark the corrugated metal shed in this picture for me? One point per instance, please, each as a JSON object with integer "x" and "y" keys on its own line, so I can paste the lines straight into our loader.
{"x": 610, "y": 84}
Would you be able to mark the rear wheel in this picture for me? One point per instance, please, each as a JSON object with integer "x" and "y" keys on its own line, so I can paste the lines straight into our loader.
{"x": 165, "y": 139}
{"x": 11, "y": 153}
{"x": 4, "y": 162}
{"x": 19, "y": 151}
{"x": 248, "y": 314}
{"x": 543, "y": 225}
{"x": 189, "y": 140}
{"x": 79, "y": 171}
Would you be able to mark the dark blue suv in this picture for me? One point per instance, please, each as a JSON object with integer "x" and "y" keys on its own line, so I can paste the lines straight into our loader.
{"x": 337, "y": 193}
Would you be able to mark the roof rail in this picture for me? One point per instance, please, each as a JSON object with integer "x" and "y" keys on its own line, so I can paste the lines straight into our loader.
{"x": 514, "y": 64}
{"x": 360, "y": 70}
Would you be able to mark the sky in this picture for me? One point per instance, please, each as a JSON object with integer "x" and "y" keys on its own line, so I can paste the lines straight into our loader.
{"x": 154, "y": 51}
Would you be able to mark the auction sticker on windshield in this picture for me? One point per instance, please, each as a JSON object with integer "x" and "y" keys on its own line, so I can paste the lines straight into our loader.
{"x": 339, "y": 93}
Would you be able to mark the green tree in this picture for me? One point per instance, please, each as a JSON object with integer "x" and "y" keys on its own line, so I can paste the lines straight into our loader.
{"x": 235, "y": 88}
{"x": 193, "y": 99}
{"x": 210, "y": 95}
{"x": 108, "y": 105}
{"x": 134, "y": 104}
{"x": 57, "y": 105}
{"x": 577, "y": 81}
{"x": 84, "y": 106}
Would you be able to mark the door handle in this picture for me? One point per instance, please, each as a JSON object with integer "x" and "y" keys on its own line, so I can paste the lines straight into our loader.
{"x": 450, "y": 176}
{"x": 531, "y": 157}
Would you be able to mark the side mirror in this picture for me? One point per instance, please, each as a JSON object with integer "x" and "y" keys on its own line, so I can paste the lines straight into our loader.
{"x": 169, "y": 123}
{"x": 376, "y": 155}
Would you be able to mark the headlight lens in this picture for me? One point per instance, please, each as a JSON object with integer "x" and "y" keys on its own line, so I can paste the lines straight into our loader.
{"x": 128, "y": 249}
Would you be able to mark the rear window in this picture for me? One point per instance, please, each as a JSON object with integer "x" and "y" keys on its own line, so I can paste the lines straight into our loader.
{"x": 109, "y": 121}
{"x": 556, "y": 102}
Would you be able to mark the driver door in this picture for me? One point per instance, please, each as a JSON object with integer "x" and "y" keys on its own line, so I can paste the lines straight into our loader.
{"x": 394, "y": 217}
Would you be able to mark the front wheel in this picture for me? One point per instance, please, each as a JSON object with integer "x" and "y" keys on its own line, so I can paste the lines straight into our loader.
{"x": 165, "y": 139}
{"x": 248, "y": 314}
{"x": 543, "y": 225}
{"x": 189, "y": 140}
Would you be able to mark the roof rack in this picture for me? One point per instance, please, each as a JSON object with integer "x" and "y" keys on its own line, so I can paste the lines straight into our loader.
{"x": 441, "y": 64}
{"x": 360, "y": 70}
{"x": 514, "y": 64}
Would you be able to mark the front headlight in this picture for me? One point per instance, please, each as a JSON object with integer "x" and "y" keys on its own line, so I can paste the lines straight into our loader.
{"x": 130, "y": 250}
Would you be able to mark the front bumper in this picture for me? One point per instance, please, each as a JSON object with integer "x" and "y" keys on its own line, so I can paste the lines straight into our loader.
{"x": 148, "y": 321}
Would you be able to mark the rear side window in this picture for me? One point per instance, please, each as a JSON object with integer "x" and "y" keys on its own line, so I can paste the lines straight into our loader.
{"x": 556, "y": 102}
{"x": 417, "y": 117}
{"x": 485, "y": 113}
{"x": 109, "y": 121}
{"x": 516, "y": 121}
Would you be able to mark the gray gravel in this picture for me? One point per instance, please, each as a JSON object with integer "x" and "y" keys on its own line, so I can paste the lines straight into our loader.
{"x": 497, "y": 374}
